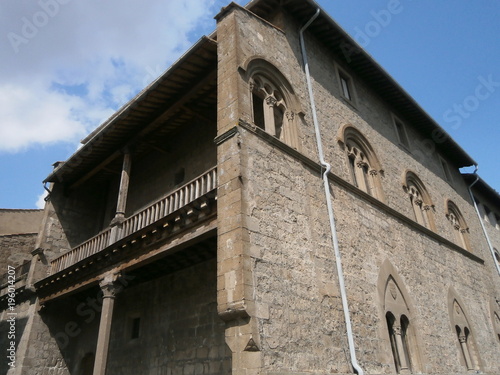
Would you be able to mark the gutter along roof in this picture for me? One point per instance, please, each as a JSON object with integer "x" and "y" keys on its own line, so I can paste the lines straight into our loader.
{"x": 144, "y": 113}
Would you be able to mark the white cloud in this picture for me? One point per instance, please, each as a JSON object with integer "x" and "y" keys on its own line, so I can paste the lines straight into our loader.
{"x": 30, "y": 115}
{"x": 67, "y": 65}
{"x": 40, "y": 203}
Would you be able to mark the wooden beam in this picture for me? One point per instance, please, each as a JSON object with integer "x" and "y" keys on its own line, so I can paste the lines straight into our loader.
{"x": 150, "y": 127}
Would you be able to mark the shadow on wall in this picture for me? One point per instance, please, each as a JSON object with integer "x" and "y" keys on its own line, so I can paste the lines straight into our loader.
{"x": 8, "y": 336}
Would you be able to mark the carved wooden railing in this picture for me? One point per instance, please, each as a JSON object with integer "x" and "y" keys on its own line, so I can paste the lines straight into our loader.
{"x": 147, "y": 216}
{"x": 172, "y": 202}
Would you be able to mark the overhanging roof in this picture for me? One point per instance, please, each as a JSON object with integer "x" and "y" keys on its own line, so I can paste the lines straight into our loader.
{"x": 132, "y": 120}
{"x": 193, "y": 74}
{"x": 335, "y": 39}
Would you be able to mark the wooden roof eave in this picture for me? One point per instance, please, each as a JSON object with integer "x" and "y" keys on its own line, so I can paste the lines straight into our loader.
{"x": 99, "y": 144}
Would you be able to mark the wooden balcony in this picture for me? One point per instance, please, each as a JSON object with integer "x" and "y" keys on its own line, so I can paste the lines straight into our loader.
{"x": 169, "y": 204}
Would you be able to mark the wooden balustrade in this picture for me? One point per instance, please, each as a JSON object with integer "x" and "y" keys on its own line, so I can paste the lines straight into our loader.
{"x": 147, "y": 216}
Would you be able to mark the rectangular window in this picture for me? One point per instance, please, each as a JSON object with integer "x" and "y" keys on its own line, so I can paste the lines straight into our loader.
{"x": 345, "y": 86}
{"x": 446, "y": 170}
{"x": 401, "y": 132}
{"x": 135, "y": 327}
{"x": 487, "y": 213}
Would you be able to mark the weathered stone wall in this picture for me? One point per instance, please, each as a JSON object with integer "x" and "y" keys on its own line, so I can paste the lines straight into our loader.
{"x": 37, "y": 350}
{"x": 180, "y": 332}
{"x": 79, "y": 211}
{"x": 16, "y": 249}
{"x": 274, "y": 217}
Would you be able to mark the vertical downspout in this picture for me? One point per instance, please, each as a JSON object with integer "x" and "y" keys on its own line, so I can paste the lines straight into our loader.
{"x": 481, "y": 220}
{"x": 333, "y": 230}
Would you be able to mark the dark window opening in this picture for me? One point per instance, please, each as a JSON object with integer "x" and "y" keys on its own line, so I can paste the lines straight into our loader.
{"x": 345, "y": 84}
{"x": 403, "y": 139}
{"x": 135, "y": 328}
{"x": 258, "y": 111}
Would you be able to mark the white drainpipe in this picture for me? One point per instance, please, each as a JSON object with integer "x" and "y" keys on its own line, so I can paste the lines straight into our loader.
{"x": 481, "y": 220}
{"x": 338, "y": 261}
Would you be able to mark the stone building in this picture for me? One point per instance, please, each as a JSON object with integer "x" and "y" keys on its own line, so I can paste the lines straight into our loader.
{"x": 274, "y": 203}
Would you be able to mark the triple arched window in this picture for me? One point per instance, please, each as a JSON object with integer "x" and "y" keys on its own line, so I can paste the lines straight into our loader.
{"x": 274, "y": 107}
{"x": 420, "y": 200}
{"x": 458, "y": 225}
{"x": 363, "y": 164}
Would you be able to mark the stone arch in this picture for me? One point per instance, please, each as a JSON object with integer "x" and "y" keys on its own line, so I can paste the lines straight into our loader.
{"x": 420, "y": 199}
{"x": 458, "y": 224}
{"x": 363, "y": 164}
{"x": 274, "y": 105}
{"x": 399, "y": 328}
{"x": 463, "y": 332}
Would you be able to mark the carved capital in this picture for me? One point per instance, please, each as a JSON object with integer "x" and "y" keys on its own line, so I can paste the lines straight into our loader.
{"x": 361, "y": 164}
{"x": 397, "y": 329}
{"x": 462, "y": 338}
{"x": 290, "y": 115}
{"x": 271, "y": 101}
{"x": 110, "y": 287}
{"x": 373, "y": 172}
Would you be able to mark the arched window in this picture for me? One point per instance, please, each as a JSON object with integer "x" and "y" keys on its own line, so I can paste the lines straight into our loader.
{"x": 274, "y": 107}
{"x": 458, "y": 224}
{"x": 495, "y": 315}
{"x": 420, "y": 200}
{"x": 363, "y": 164}
{"x": 468, "y": 353}
{"x": 398, "y": 325}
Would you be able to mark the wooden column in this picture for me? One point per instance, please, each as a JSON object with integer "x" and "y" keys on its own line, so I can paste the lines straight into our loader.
{"x": 116, "y": 223}
{"x": 109, "y": 288}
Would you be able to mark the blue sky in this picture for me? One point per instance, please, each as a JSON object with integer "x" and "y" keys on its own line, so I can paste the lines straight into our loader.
{"x": 66, "y": 65}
